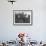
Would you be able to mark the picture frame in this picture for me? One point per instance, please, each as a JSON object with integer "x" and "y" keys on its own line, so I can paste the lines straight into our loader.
{"x": 22, "y": 17}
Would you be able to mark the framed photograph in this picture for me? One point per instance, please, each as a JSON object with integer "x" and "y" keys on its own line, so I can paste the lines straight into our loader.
{"x": 22, "y": 17}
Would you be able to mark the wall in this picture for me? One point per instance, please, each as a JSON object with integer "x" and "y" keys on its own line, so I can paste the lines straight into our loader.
{"x": 37, "y": 31}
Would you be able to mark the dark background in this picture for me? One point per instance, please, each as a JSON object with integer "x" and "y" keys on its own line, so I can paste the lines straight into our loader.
{"x": 21, "y": 18}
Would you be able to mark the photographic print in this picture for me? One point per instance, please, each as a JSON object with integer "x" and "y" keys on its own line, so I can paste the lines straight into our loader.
{"x": 22, "y": 16}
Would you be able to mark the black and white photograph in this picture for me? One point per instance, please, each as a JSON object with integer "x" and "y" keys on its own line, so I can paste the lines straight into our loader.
{"x": 22, "y": 16}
